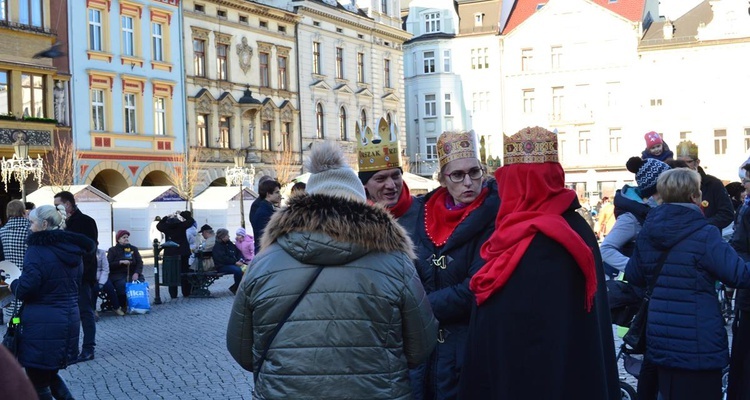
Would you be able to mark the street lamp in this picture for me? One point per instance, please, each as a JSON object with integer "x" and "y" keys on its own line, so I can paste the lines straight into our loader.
{"x": 21, "y": 166}
{"x": 236, "y": 176}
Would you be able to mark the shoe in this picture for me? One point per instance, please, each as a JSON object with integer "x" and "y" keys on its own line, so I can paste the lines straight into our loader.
{"x": 119, "y": 312}
{"x": 233, "y": 288}
{"x": 86, "y": 355}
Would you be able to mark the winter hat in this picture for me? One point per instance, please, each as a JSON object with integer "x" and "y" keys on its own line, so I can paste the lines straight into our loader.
{"x": 652, "y": 139}
{"x": 186, "y": 214}
{"x": 241, "y": 232}
{"x": 205, "y": 227}
{"x": 646, "y": 173}
{"x": 221, "y": 232}
{"x": 121, "y": 233}
{"x": 330, "y": 175}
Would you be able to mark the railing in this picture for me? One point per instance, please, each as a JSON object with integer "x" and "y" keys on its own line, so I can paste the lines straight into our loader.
{"x": 27, "y": 28}
{"x": 477, "y": 29}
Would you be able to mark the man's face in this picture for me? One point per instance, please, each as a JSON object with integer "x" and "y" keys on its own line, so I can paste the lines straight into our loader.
{"x": 656, "y": 150}
{"x": 691, "y": 162}
{"x": 746, "y": 182}
{"x": 68, "y": 207}
{"x": 206, "y": 234}
{"x": 385, "y": 187}
{"x": 224, "y": 238}
{"x": 274, "y": 197}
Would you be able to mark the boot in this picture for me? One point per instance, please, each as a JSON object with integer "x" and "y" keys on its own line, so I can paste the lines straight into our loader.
{"x": 59, "y": 389}
{"x": 44, "y": 393}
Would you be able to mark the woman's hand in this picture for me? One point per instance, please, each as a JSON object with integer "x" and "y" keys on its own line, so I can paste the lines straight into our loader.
{"x": 135, "y": 277}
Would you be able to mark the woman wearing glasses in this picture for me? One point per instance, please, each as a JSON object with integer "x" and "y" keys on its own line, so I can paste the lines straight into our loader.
{"x": 453, "y": 222}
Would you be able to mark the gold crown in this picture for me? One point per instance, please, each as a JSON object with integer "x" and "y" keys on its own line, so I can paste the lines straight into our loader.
{"x": 687, "y": 148}
{"x": 378, "y": 150}
{"x": 530, "y": 146}
{"x": 455, "y": 146}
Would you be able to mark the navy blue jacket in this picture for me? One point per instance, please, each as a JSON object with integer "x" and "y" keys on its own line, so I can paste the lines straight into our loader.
{"x": 48, "y": 287}
{"x": 685, "y": 328}
{"x": 741, "y": 243}
{"x": 449, "y": 294}
{"x": 225, "y": 254}
{"x": 259, "y": 218}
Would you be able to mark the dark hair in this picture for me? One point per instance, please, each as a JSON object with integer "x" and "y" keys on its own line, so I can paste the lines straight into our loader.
{"x": 66, "y": 197}
{"x": 267, "y": 187}
{"x": 299, "y": 186}
{"x": 29, "y": 205}
{"x": 676, "y": 164}
{"x": 746, "y": 167}
{"x": 735, "y": 190}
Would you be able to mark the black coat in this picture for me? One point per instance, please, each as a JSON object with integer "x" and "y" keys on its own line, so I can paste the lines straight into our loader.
{"x": 225, "y": 254}
{"x": 175, "y": 230}
{"x": 720, "y": 211}
{"x": 81, "y": 223}
{"x": 48, "y": 287}
{"x": 259, "y": 217}
{"x": 533, "y": 339}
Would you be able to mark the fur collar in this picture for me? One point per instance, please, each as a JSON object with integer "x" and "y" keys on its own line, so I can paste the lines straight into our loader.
{"x": 369, "y": 226}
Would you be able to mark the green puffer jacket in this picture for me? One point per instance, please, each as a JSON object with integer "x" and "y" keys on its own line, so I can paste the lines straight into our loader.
{"x": 362, "y": 323}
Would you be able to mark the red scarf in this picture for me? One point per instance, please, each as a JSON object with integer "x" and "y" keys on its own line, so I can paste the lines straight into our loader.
{"x": 404, "y": 202}
{"x": 534, "y": 198}
{"x": 440, "y": 222}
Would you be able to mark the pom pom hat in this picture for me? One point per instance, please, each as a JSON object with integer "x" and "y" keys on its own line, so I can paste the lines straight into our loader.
{"x": 331, "y": 176}
{"x": 646, "y": 173}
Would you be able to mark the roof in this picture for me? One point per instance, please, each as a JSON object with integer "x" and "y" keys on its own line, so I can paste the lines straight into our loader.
{"x": 214, "y": 194}
{"x": 490, "y": 11}
{"x": 143, "y": 195}
{"x": 82, "y": 194}
{"x": 523, "y": 9}
{"x": 340, "y": 7}
{"x": 685, "y": 27}
{"x": 430, "y": 36}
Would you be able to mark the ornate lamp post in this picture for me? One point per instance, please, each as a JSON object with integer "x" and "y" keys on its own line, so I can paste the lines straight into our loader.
{"x": 236, "y": 176}
{"x": 21, "y": 166}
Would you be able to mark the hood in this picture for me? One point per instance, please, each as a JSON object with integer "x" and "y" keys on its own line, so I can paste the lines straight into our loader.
{"x": 325, "y": 230}
{"x": 669, "y": 224}
{"x": 68, "y": 246}
{"x": 628, "y": 200}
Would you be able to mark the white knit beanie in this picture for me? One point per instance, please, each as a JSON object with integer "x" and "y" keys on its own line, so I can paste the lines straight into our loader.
{"x": 330, "y": 175}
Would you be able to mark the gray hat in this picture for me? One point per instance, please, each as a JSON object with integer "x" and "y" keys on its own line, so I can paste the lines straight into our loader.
{"x": 331, "y": 176}
{"x": 221, "y": 232}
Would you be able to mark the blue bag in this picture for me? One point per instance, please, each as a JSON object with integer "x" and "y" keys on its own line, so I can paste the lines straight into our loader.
{"x": 138, "y": 299}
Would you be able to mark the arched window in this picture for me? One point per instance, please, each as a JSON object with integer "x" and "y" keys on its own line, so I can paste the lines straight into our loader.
{"x": 363, "y": 119}
{"x": 342, "y": 124}
{"x": 388, "y": 119}
{"x": 320, "y": 121}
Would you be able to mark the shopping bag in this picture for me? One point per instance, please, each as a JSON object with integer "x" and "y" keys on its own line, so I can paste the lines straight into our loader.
{"x": 138, "y": 299}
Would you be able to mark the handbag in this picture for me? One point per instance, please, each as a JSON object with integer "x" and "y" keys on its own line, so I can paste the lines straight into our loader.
{"x": 13, "y": 333}
{"x": 138, "y": 300}
{"x": 635, "y": 338}
{"x": 624, "y": 301}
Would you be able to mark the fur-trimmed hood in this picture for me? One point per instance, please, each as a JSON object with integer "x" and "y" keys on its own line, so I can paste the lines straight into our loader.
{"x": 69, "y": 247}
{"x": 325, "y": 230}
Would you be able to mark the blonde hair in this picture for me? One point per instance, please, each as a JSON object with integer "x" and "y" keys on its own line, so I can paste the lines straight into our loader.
{"x": 679, "y": 185}
{"x": 15, "y": 208}
{"x": 55, "y": 216}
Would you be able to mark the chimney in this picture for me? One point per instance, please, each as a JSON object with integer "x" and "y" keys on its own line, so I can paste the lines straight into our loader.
{"x": 668, "y": 30}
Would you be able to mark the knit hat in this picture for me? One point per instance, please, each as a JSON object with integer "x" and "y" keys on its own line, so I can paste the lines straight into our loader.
{"x": 652, "y": 139}
{"x": 330, "y": 175}
{"x": 646, "y": 173}
{"x": 205, "y": 227}
{"x": 221, "y": 232}
{"x": 687, "y": 148}
{"x": 240, "y": 232}
{"x": 121, "y": 233}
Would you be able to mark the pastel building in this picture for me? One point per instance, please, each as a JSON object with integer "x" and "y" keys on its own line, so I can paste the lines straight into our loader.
{"x": 127, "y": 92}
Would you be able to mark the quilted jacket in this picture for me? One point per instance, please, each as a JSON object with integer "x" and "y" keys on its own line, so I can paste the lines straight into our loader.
{"x": 361, "y": 324}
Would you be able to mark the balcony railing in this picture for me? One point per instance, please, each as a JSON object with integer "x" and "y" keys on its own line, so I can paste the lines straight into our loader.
{"x": 477, "y": 29}
{"x": 27, "y": 28}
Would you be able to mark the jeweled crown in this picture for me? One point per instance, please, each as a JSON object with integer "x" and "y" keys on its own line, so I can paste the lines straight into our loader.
{"x": 530, "y": 146}
{"x": 378, "y": 150}
{"x": 456, "y": 145}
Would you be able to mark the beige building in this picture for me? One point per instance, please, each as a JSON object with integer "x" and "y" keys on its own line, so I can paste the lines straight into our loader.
{"x": 241, "y": 69}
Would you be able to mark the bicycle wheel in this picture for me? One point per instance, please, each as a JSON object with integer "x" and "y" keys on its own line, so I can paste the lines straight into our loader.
{"x": 627, "y": 392}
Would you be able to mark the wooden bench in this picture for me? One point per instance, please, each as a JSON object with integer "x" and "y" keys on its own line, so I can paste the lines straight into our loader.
{"x": 200, "y": 281}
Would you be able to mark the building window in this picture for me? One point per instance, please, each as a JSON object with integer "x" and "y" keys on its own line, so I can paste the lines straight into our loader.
{"x": 431, "y": 150}
{"x": 222, "y": 72}
{"x": 128, "y": 36}
{"x": 283, "y": 77}
{"x": 224, "y": 132}
{"x": 615, "y": 136}
{"x": 446, "y": 61}
{"x": 528, "y": 101}
{"x": 584, "y": 141}
{"x": 281, "y": 29}
{"x": 199, "y": 8}
{"x": 339, "y": 63}
{"x": 557, "y": 103}
{"x": 360, "y": 67}
{"x": 363, "y": 119}
{"x": 561, "y": 145}
{"x": 32, "y": 89}
{"x": 387, "y": 72}
{"x": 388, "y": 119}
{"x": 432, "y": 22}
{"x": 157, "y": 40}
{"x": 286, "y": 138}
{"x": 384, "y": 6}
{"x": 342, "y": 124}
{"x": 478, "y": 19}
{"x": 747, "y": 139}
{"x": 267, "y": 140}
{"x": 131, "y": 121}
{"x": 319, "y": 122}
{"x": 3, "y": 10}
{"x": 430, "y": 105}
{"x": 199, "y": 57}
{"x": 95, "y": 29}
{"x": 160, "y": 116}
{"x": 316, "y": 58}
{"x": 263, "y": 24}
{"x": 429, "y": 62}
{"x": 243, "y": 19}
{"x": 263, "y": 58}
{"x": 655, "y": 102}
{"x": 612, "y": 90}
{"x": 447, "y": 104}
{"x": 30, "y": 12}
{"x": 527, "y": 56}
{"x": 202, "y": 130}
{"x": 480, "y": 58}
{"x": 221, "y": 14}
{"x": 556, "y": 57}
{"x": 4, "y": 94}
{"x": 720, "y": 141}
{"x": 97, "y": 110}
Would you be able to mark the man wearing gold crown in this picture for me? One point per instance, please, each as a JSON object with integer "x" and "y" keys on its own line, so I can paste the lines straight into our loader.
{"x": 540, "y": 328}
{"x": 380, "y": 171}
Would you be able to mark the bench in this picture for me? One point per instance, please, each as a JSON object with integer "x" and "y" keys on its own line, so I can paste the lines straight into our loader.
{"x": 200, "y": 281}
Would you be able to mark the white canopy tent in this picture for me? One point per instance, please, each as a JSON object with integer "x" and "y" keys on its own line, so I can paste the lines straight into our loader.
{"x": 136, "y": 208}
{"x": 90, "y": 200}
{"x": 219, "y": 206}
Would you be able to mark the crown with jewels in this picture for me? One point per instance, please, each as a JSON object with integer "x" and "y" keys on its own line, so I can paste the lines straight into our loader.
{"x": 530, "y": 146}
{"x": 378, "y": 150}
{"x": 456, "y": 145}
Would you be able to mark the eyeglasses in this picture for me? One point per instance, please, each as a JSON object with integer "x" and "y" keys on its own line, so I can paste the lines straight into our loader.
{"x": 459, "y": 176}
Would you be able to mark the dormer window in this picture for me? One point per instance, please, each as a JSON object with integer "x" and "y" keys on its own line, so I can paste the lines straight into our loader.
{"x": 478, "y": 19}
{"x": 432, "y": 22}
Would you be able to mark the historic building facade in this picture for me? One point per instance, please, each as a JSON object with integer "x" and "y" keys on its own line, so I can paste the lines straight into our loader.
{"x": 127, "y": 92}
{"x": 241, "y": 69}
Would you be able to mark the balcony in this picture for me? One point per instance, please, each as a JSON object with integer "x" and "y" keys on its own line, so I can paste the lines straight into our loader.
{"x": 27, "y": 28}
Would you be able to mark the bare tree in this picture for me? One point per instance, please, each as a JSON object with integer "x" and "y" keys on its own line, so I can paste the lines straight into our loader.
{"x": 185, "y": 173}
{"x": 285, "y": 164}
{"x": 59, "y": 163}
